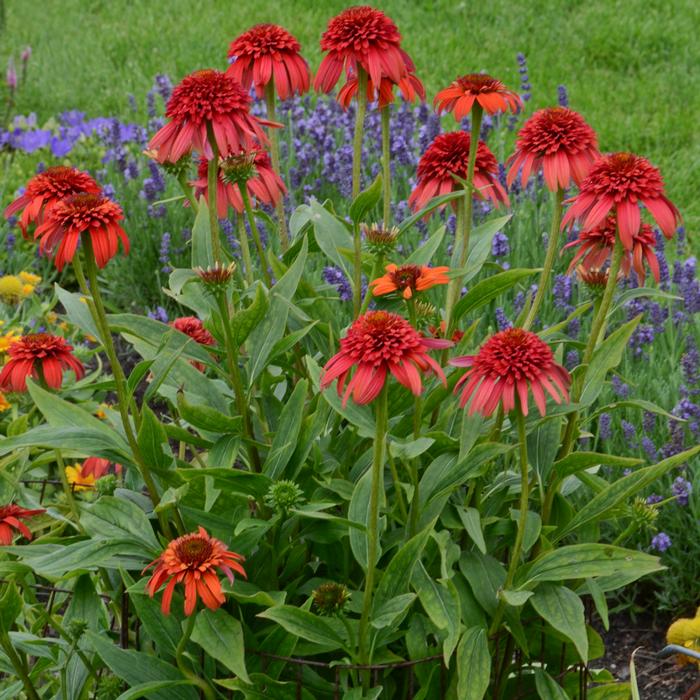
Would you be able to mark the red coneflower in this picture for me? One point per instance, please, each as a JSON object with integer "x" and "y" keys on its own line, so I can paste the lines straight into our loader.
{"x": 510, "y": 362}
{"x": 11, "y": 517}
{"x": 619, "y": 183}
{"x": 82, "y": 213}
{"x": 409, "y": 279}
{"x": 192, "y": 326}
{"x": 595, "y": 247}
{"x": 263, "y": 183}
{"x": 208, "y": 98}
{"x": 379, "y": 342}
{"x": 38, "y": 355}
{"x": 365, "y": 37}
{"x": 557, "y": 141}
{"x": 45, "y": 190}
{"x": 193, "y": 560}
{"x": 98, "y": 467}
{"x": 269, "y": 52}
{"x": 448, "y": 155}
{"x": 409, "y": 86}
{"x": 491, "y": 94}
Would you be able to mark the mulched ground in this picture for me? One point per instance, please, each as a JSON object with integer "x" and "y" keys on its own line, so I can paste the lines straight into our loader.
{"x": 658, "y": 679}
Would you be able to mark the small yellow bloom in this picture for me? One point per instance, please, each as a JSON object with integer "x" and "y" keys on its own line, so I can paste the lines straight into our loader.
{"x": 101, "y": 411}
{"x": 5, "y": 405}
{"x": 90, "y": 338}
{"x": 29, "y": 278}
{"x": 8, "y": 339}
{"x": 686, "y": 633}
{"x": 63, "y": 325}
{"x": 77, "y": 480}
{"x": 83, "y": 300}
{"x": 27, "y": 290}
{"x": 10, "y": 288}
{"x": 51, "y": 318}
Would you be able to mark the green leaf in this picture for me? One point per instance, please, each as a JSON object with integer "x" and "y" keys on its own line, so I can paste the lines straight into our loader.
{"x": 304, "y": 624}
{"x": 563, "y": 610}
{"x": 621, "y": 490}
{"x": 515, "y": 598}
{"x": 607, "y": 356}
{"x": 359, "y": 512}
{"x": 221, "y": 636}
{"x": 392, "y": 610}
{"x": 642, "y": 292}
{"x": 284, "y": 442}
{"x": 485, "y": 576}
{"x": 577, "y": 461}
{"x": 547, "y": 687}
{"x": 634, "y": 687}
{"x": 332, "y": 236}
{"x": 486, "y": 290}
{"x": 473, "y": 665}
{"x": 111, "y": 518}
{"x": 207, "y": 418}
{"x": 247, "y": 319}
{"x": 637, "y": 403}
{"x": 151, "y": 438}
{"x": 366, "y": 200}
{"x": 480, "y": 245}
{"x": 579, "y": 561}
{"x": 424, "y": 253}
{"x": 600, "y": 601}
{"x": 85, "y": 604}
{"x": 77, "y": 311}
{"x": 434, "y": 203}
{"x": 202, "y": 255}
{"x": 145, "y": 690}
{"x": 471, "y": 519}
{"x": 542, "y": 447}
{"x": 10, "y": 607}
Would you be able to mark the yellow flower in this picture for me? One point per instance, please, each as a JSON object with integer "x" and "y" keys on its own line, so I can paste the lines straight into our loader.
{"x": 27, "y": 290}
{"x": 686, "y": 633}
{"x": 5, "y": 405}
{"x": 7, "y": 340}
{"x": 29, "y": 278}
{"x": 10, "y": 288}
{"x": 75, "y": 478}
{"x": 64, "y": 326}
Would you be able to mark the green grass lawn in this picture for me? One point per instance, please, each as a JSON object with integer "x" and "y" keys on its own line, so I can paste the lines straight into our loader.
{"x": 631, "y": 66}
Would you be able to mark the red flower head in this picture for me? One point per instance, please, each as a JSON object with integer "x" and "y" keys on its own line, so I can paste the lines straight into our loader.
{"x": 11, "y": 517}
{"x": 82, "y": 213}
{"x": 409, "y": 279}
{"x": 557, "y": 141}
{"x": 619, "y": 183}
{"x": 491, "y": 94}
{"x": 263, "y": 184}
{"x": 409, "y": 86}
{"x": 595, "y": 247}
{"x": 202, "y": 99}
{"x": 268, "y": 52}
{"x": 193, "y": 560}
{"x": 98, "y": 467}
{"x": 378, "y": 342}
{"x": 365, "y": 37}
{"x": 448, "y": 154}
{"x": 507, "y": 363}
{"x": 193, "y": 327}
{"x": 36, "y": 356}
{"x": 45, "y": 190}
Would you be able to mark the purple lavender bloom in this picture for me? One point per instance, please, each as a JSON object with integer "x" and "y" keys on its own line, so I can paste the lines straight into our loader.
{"x": 109, "y": 191}
{"x": 690, "y": 363}
{"x": 160, "y": 314}
{"x": 572, "y": 359}
{"x": 525, "y": 86}
{"x": 650, "y": 449}
{"x": 562, "y": 96}
{"x": 620, "y": 389}
{"x": 664, "y": 274}
{"x": 648, "y": 421}
{"x": 604, "y": 426}
{"x": 164, "y": 256}
{"x": 661, "y": 542}
{"x": 500, "y": 247}
{"x": 132, "y": 103}
{"x": 630, "y": 432}
{"x": 681, "y": 489}
{"x": 334, "y": 275}
{"x": 561, "y": 291}
{"x": 643, "y": 335}
{"x": 654, "y": 498}
{"x": 676, "y": 441}
{"x": 10, "y": 241}
{"x": 502, "y": 321}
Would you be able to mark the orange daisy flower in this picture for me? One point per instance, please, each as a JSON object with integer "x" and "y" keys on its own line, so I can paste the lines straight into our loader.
{"x": 409, "y": 279}
{"x": 193, "y": 560}
{"x": 491, "y": 94}
{"x": 11, "y": 517}
{"x": 514, "y": 360}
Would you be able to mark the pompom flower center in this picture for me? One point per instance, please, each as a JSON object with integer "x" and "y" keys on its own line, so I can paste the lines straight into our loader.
{"x": 513, "y": 354}
{"x": 264, "y": 39}
{"x": 205, "y": 94}
{"x": 359, "y": 28}
{"x": 380, "y": 336}
{"x": 479, "y": 82}
{"x": 625, "y": 176}
{"x": 556, "y": 128}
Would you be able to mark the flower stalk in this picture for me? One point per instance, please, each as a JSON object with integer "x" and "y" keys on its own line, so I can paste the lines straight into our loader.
{"x": 255, "y": 231}
{"x": 212, "y": 186}
{"x": 356, "y": 183}
{"x": 275, "y": 157}
{"x": 386, "y": 162}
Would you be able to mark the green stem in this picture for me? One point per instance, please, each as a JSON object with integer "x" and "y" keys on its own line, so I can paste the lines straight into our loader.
{"x": 356, "y": 182}
{"x": 256, "y": 233}
{"x": 68, "y": 490}
{"x": 245, "y": 251}
{"x": 19, "y": 666}
{"x": 275, "y": 157}
{"x": 184, "y": 667}
{"x": 373, "y": 523}
{"x": 552, "y": 248}
{"x": 522, "y": 519}
{"x": 237, "y": 382}
{"x": 187, "y": 190}
{"x": 397, "y": 487}
{"x": 212, "y": 189}
{"x": 376, "y": 271}
{"x": 386, "y": 162}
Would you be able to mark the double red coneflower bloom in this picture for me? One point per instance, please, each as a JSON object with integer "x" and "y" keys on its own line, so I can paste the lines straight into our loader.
{"x": 194, "y": 328}
{"x": 11, "y": 518}
{"x": 208, "y": 99}
{"x": 376, "y": 344}
{"x": 268, "y": 53}
{"x": 409, "y": 279}
{"x": 47, "y": 189}
{"x": 36, "y": 356}
{"x": 490, "y": 94}
{"x": 448, "y": 155}
{"x": 193, "y": 560}
{"x": 557, "y": 141}
{"x": 511, "y": 363}
{"x": 98, "y": 467}
{"x": 619, "y": 183}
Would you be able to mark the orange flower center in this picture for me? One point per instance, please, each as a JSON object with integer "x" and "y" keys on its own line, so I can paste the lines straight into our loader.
{"x": 194, "y": 551}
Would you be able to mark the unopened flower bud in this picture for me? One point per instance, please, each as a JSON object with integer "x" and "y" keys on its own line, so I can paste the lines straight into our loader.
{"x": 330, "y": 598}
{"x": 380, "y": 240}
{"x": 217, "y": 277}
{"x": 283, "y": 496}
{"x": 238, "y": 169}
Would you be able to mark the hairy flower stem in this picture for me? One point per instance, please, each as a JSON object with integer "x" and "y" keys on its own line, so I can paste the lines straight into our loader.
{"x": 550, "y": 256}
{"x": 386, "y": 163}
{"x": 463, "y": 232}
{"x": 356, "y": 182}
{"x": 275, "y": 157}
{"x": 100, "y": 318}
{"x": 237, "y": 382}
{"x": 256, "y": 233}
{"x": 212, "y": 187}
{"x": 522, "y": 519}
{"x": 596, "y": 329}
{"x": 373, "y": 523}
{"x": 245, "y": 250}
{"x": 184, "y": 667}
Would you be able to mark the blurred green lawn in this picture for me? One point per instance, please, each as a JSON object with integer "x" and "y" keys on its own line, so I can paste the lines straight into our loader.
{"x": 632, "y": 67}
